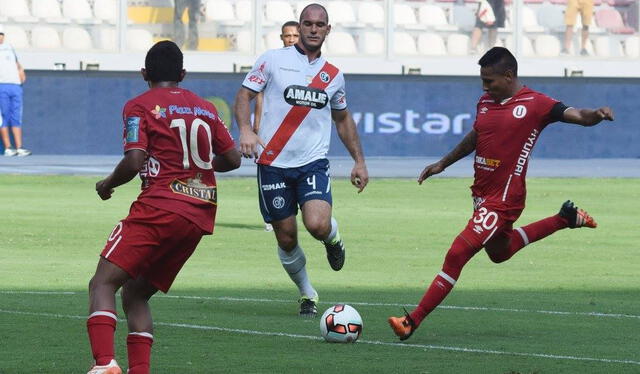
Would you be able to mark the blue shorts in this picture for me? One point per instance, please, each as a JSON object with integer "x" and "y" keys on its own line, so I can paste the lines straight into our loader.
{"x": 282, "y": 190}
{"x": 10, "y": 105}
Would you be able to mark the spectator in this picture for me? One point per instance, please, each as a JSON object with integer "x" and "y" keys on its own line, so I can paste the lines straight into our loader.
{"x": 491, "y": 15}
{"x": 12, "y": 77}
{"x": 194, "y": 13}
{"x": 585, "y": 7}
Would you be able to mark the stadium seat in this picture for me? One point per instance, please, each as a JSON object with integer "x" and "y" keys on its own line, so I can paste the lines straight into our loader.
{"x": 16, "y": 36}
{"x": 434, "y": 17}
{"x": 464, "y": 17}
{"x": 526, "y": 45}
{"x": 552, "y": 18}
{"x": 221, "y": 12}
{"x": 458, "y": 44}
{"x": 610, "y": 19}
{"x": 244, "y": 10}
{"x": 278, "y": 12}
{"x": 341, "y": 43}
{"x": 430, "y": 44}
{"x": 405, "y": 17}
{"x": 17, "y": 10}
{"x": 371, "y": 13}
{"x": 632, "y": 47}
{"x": 607, "y": 47}
{"x": 106, "y": 10}
{"x": 403, "y": 44}
{"x": 139, "y": 40}
{"x": 272, "y": 40}
{"x": 45, "y": 37}
{"x": 547, "y": 46}
{"x": 76, "y": 38}
{"x": 372, "y": 43}
{"x": 243, "y": 41}
{"x": 529, "y": 20}
{"x": 48, "y": 10}
{"x": 342, "y": 14}
{"x": 108, "y": 38}
{"x": 78, "y": 11}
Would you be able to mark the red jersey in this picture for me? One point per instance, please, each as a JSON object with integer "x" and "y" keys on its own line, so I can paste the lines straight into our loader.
{"x": 180, "y": 132}
{"x": 506, "y": 134}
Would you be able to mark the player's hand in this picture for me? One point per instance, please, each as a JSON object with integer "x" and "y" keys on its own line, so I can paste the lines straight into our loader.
{"x": 359, "y": 176}
{"x": 102, "y": 190}
{"x": 249, "y": 144}
{"x": 605, "y": 113}
{"x": 430, "y": 170}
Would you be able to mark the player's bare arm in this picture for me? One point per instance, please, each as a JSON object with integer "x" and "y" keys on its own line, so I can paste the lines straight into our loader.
{"x": 588, "y": 117}
{"x": 257, "y": 116}
{"x": 125, "y": 171}
{"x": 464, "y": 148}
{"x": 242, "y": 110}
{"x": 227, "y": 161}
{"x": 349, "y": 136}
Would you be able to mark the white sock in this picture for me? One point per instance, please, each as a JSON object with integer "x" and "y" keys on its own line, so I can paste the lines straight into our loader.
{"x": 294, "y": 263}
{"x": 334, "y": 231}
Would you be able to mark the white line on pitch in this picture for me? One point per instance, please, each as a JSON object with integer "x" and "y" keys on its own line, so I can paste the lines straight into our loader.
{"x": 372, "y": 342}
{"x": 452, "y": 307}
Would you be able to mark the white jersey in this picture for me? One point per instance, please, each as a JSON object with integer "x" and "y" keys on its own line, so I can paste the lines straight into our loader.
{"x": 8, "y": 65}
{"x": 298, "y": 98}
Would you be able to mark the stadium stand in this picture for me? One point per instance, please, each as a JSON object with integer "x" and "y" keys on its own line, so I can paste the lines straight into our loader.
{"x": 76, "y": 38}
{"x": 45, "y": 37}
{"x": 430, "y": 44}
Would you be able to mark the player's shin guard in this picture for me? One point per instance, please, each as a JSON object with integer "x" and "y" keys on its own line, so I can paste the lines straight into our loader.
{"x": 101, "y": 326}
{"x": 457, "y": 256}
{"x": 294, "y": 263}
{"x": 139, "y": 352}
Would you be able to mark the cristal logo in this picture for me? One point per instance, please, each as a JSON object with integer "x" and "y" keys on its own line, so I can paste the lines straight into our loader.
{"x": 519, "y": 111}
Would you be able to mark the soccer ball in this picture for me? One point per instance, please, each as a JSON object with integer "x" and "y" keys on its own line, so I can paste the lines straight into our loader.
{"x": 341, "y": 324}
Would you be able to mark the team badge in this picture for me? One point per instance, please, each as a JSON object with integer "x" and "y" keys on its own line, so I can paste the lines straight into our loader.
{"x": 278, "y": 202}
{"x": 324, "y": 76}
{"x": 519, "y": 111}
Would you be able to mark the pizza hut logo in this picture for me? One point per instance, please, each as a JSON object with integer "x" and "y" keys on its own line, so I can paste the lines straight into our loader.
{"x": 324, "y": 76}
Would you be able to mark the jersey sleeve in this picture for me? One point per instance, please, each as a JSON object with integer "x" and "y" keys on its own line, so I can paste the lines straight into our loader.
{"x": 545, "y": 108}
{"x": 135, "y": 127}
{"x": 339, "y": 99}
{"x": 257, "y": 78}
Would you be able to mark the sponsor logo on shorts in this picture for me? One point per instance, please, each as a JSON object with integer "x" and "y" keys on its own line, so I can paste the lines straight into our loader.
{"x": 306, "y": 96}
{"x": 477, "y": 229}
{"x": 133, "y": 129}
{"x": 194, "y": 187}
{"x": 273, "y": 186}
{"x": 313, "y": 193}
{"x": 278, "y": 202}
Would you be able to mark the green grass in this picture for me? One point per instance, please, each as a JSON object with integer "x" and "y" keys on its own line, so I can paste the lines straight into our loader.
{"x": 396, "y": 234}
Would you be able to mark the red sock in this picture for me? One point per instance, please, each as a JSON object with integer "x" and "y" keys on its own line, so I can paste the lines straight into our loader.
{"x": 101, "y": 326}
{"x": 530, "y": 233}
{"x": 457, "y": 256}
{"x": 139, "y": 352}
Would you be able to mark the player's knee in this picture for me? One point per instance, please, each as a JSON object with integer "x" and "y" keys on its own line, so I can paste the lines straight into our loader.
{"x": 318, "y": 228}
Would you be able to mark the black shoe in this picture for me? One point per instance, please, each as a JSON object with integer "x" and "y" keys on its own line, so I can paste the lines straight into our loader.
{"x": 335, "y": 254}
{"x": 576, "y": 217}
{"x": 308, "y": 307}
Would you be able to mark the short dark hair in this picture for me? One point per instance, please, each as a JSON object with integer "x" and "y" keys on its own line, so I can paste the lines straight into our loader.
{"x": 500, "y": 59}
{"x": 164, "y": 62}
{"x": 315, "y": 5}
{"x": 288, "y": 24}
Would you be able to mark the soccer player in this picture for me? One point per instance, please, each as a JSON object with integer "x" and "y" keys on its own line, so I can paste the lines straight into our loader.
{"x": 508, "y": 123}
{"x": 289, "y": 36}
{"x": 302, "y": 94}
{"x": 175, "y": 140}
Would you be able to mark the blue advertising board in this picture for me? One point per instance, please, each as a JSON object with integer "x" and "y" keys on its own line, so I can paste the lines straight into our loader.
{"x": 398, "y": 116}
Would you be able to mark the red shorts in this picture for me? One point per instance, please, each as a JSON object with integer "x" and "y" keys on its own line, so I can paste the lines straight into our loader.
{"x": 486, "y": 224}
{"x": 152, "y": 243}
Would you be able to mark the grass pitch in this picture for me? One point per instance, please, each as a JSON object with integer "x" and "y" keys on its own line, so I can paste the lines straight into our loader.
{"x": 567, "y": 304}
